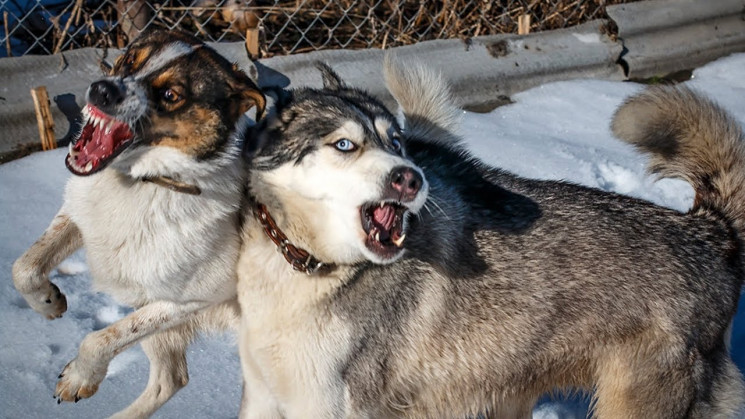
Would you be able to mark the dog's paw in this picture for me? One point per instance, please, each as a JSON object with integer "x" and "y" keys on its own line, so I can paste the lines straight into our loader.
{"x": 48, "y": 301}
{"x": 77, "y": 383}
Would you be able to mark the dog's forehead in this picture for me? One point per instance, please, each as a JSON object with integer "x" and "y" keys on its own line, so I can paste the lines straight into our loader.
{"x": 159, "y": 59}
{"x": 336, "y": 110}
{"x": 145, "y": 57}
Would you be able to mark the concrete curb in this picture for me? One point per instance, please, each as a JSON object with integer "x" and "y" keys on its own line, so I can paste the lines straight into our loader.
{"x": 482, "y": 72}
{"x": 663, "y": 36}
{"x": 655, "y": 37}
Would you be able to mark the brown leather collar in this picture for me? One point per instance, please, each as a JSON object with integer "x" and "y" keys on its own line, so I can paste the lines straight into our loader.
{"x": 298, "y": 258}
{"x": 174, "y": 185}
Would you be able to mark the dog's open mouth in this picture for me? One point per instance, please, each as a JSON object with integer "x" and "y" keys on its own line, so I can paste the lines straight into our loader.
{"x": 383, "y": 222}
{"x": 101, "y": 139}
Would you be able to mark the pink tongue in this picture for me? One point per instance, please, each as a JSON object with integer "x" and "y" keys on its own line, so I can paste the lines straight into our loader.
{"x": 102, "y": 143}
{"x": 384, "y": 216}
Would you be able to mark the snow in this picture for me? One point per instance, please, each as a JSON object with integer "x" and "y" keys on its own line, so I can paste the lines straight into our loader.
{"x": 555, "y": 131}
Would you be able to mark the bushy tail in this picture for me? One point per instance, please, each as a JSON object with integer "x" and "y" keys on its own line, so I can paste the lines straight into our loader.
{"x": 691, "y": 138}
{"x": 425, "y": 99}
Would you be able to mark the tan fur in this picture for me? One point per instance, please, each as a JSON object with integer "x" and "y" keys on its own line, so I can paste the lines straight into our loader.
{"x": 187, "y": 133}
{"x": 692, "y": 138}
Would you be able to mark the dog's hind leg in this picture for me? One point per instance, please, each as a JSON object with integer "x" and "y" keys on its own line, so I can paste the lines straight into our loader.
{"x": 721, "y": 391}
{"x": 31, "y": 270}
{"x": 636, "y": 381}
{"x": 168, "y": 372}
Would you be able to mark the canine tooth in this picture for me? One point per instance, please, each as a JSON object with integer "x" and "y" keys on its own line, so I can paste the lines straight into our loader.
{"x": 69, "y": 148}
{"x": 377, "y": 236}
{"x": 101, "y": 123}
{"x": 89, "y": 166}
{"x": 382, "y": 204}
{"x": 109, "y": 125}
{"x": 400, "y": 240}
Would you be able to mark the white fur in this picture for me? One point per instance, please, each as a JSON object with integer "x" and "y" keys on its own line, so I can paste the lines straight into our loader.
{"x": 164, "y": 57}
{"x": 330, "y": 187}
{"x": 279, "y": 319}
{"x": 158, "y": 244}
{"x": 169, "y": 254}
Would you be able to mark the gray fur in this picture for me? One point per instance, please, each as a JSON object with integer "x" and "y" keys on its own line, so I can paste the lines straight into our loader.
{"x": 307, "y": 114}
{"x": 511, "y": 287}
{"x": 691, "y": 138}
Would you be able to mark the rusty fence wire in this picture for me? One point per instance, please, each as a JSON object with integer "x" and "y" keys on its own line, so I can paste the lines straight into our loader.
{"x": 280, "y": 26}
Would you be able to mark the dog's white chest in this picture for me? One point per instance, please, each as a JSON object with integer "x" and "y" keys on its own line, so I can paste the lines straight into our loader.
{"x": 290, "y": 339}
{"x": 144, "y": 242}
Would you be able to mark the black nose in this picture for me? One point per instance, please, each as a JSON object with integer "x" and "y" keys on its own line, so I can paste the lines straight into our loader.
{"x": 105, "y": 94}
{"x": 406, "y": 181}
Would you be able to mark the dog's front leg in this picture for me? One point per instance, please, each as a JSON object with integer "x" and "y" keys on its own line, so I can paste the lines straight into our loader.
{"x": 81, "y": 377}
{"x": 31, "y": 270}
{"x": 167, "y": 354}
{"x": 168, "y": 372}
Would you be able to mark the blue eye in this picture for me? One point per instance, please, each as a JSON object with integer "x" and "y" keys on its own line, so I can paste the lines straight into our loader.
{"x": 345, "y": 145}
{"x": 396, "y": 144}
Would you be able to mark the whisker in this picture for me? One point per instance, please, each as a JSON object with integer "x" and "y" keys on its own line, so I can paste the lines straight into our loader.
{"x": 434, "y": 202}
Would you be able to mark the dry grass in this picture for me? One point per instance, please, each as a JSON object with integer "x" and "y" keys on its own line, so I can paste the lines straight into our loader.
{"x": 294, "y": 26}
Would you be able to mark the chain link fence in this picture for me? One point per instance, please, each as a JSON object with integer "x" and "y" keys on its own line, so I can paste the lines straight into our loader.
{"x": 281, "y": 26}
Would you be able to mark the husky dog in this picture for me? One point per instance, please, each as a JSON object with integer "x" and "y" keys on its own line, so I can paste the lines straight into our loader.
{"x": 497, "y": 289}
{"x": 155, "y": 202}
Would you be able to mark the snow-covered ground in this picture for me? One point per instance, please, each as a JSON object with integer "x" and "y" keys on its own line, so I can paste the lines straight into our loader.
{"x": 555, "y": 131}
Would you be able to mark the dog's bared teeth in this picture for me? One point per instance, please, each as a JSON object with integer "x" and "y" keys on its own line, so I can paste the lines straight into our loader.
{"x": 101, "y": 122}
{"x": 89, "y": 167}
{"x": 377, "y": 236}
{"x": 71, "y": 151}
{"x": 109, "y": 125}
{"x": 382, "y": 204}
{"x": 400, "y": 240}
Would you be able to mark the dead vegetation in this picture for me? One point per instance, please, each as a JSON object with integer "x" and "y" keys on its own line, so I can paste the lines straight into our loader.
{"x": 293, "y": 26}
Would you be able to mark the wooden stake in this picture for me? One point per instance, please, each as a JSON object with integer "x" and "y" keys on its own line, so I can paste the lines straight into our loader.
{"x": 252, "y": 43}
{"x": 523, "y": 25}
{"x": 44, "y": 118}
{"x": 7, "y": 37}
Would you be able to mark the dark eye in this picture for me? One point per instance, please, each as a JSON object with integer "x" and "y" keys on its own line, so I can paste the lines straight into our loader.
{"x": 171, "y": 96}
{"x": 345, "y": 145}
{"x": 129, "y": 59}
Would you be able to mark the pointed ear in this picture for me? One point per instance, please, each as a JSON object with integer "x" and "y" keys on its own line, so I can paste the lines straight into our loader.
{"x": 247, "y": 94}
{"x": 331, "y": 80}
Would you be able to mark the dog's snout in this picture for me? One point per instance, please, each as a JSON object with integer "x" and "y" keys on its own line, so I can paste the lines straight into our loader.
{"x": 105, "y": 94}
{"x": 406, "y": 181}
